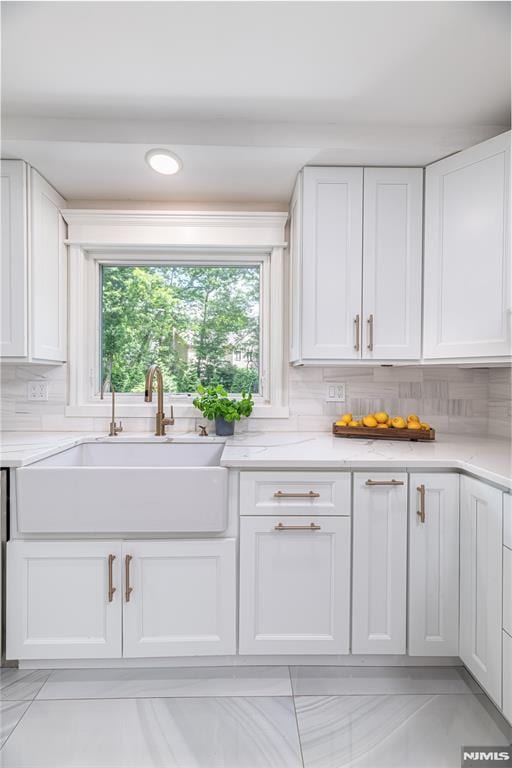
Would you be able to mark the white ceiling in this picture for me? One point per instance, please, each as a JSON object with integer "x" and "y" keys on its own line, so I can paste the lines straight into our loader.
{"x": 245, "y": 92}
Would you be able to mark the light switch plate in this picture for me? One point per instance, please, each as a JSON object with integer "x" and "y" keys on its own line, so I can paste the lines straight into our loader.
{"x": 37, "y": 390}
{"x": 335, "y": 392}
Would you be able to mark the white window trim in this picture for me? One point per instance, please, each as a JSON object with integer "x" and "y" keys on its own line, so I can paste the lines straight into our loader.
{"x": 117, "y": 237}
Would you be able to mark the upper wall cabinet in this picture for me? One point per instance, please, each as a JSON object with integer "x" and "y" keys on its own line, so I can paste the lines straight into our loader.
{"x": 33, "y": 268}
{"x": 467, "y": 299}
{"x": 356, "y": 280}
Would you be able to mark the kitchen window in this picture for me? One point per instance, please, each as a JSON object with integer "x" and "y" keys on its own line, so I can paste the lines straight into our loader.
{"x": 199, "y": 322}
{"x": 200, "y": 294}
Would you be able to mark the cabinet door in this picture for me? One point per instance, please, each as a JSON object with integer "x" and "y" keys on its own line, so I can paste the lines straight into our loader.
{"x": 434, "y": 565}
{"x": 392, "y": 262}
{"x": 507, "y": 676}
{"x": 467, "y": 240}
{"x": 481, "y": 583}
{"x": 182, "y": 601}
{"x": 295, "y": 268}
{"x": 331, "y": 262}
{"x": 48, "y": 271}
{"x": 13, "y": 260}
{"x": 58, "y": 601}
{"x": 379, "y": 580}
{"x": 294, "y": 585}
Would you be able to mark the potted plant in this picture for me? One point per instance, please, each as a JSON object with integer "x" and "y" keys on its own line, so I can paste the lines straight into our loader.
{"x": 215, "y": 404}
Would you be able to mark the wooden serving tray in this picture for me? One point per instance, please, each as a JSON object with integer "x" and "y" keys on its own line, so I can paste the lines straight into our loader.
{"x": 385, "y": 434}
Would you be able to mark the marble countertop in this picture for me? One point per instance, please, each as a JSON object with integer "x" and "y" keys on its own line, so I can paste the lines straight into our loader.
{"x": 486, "y": 457}
{"x": 489, "y": 458}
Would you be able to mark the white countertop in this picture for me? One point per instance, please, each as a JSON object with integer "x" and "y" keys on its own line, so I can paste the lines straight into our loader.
{"x": 486, "y": 457}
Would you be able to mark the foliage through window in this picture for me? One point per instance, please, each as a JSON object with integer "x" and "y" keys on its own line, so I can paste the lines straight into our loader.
{"x": 200, "y": 324}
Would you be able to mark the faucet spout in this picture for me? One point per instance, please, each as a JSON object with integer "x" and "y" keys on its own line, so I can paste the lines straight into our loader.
{"x": 160, "y": 419}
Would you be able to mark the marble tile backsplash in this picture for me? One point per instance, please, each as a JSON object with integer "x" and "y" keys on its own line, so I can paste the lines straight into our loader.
{"x": 452, "y": 399}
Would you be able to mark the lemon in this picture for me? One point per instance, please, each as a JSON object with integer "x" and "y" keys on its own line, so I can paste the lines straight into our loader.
{"x": 369, "y": 421}
{"x": 425, "y": 426}
{"x": 347, "y": 417}
{"x": 413, "y": 417}
{"x": 354, "y": 423}
{"x": 382, "y": 417}
{"x": 382, "y": 426}
{"x": 398, "y": 423}
{"x": 340, "y": 423}
{"x": 413, "y": 425}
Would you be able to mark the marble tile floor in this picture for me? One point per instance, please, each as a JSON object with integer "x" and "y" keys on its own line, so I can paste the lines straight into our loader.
{"x": 244, "y": 717}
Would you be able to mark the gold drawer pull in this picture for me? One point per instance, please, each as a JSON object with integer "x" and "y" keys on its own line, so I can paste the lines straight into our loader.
{"x": 384, "y": 482}
{"x": 370, "y": 333}
{"x": 310, "y": 527}
{"x": 357, "y": 332}
{"x": 308, "y": 495}
{"x": 421, "y": 511}
{"x": 127, "y": 589}
{"x": 111, "y": 588}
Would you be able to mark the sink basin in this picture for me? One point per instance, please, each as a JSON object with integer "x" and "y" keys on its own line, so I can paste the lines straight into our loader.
{"x": 107, "y": 487}
{"x": 125, "y": 454}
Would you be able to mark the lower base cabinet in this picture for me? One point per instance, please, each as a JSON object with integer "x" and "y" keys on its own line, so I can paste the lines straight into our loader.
{"x": 433, "y": 620}
{"x": 379, "y": 582}
{"x": 481, "y": 538}
{"x": 294, "y": 585}
{"x": 108, "y": 599}
{"x": 58, "y": 600}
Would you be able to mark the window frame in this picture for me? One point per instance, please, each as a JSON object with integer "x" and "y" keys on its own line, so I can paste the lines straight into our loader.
{"x": 85, "y": 327}
{"x": 262, "y": 261}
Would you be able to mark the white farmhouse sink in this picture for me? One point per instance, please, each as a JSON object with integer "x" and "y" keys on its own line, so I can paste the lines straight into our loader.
{"x": 107, "y": 487}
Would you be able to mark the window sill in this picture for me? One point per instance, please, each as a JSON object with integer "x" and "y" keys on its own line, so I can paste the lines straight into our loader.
{"x": 181, "y": 410}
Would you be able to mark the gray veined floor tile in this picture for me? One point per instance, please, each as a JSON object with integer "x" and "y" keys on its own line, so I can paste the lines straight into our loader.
{"x": 398, "y": 731}
{"x": 161, "y": 683}
{"x": 341, "y": 681}
{"x": 20, "y": 684}
{"x": 164, "y": 733}
{"x": 11, "y": 713}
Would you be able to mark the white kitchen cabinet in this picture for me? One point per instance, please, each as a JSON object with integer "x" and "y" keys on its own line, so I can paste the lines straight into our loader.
{"x": 379, "y": 576}
{"x": 58, "y": 600}
{"x": 433, "y": 616}
{"x": 392, "y": 263}
{"x": 331, "y": 261}
{"x": 182, "y": 600}
{"x": 294, "y": 585}
{"x": 33, "y": 267}
{"x": 480, "y": 640}
{"x": 507, "y": 676}
{"x": 467, "y": 301}
{"x": 356, "y": 288}
{"x": 14, "y": 260}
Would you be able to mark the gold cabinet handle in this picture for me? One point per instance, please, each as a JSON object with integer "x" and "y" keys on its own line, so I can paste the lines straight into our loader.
{"x": 370, "y": 333}
{"x": 308, "y": 495}
{"x": 111, "y": 588}
{"x": 384, "y": 482}
{"x": 127, "y": 589}
{"x": 421, "y": 511}
{"x": 310, "y": 527}
{"x": 357, "y": 331}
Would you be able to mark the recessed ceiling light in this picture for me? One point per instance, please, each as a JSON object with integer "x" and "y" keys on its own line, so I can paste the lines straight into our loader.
{"x": 163, "y": 161}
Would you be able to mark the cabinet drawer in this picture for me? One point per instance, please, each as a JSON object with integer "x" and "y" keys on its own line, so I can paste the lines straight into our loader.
{"x": 507, "y": 590}
{"x": 294, "y": 493}
{"x": 507, "y": 520}
{"x": 507, "y": 677}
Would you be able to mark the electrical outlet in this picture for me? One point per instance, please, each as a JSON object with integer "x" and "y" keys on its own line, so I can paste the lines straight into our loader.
{"x": 335, "y": 392}
{"x": 37, "y": 390}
